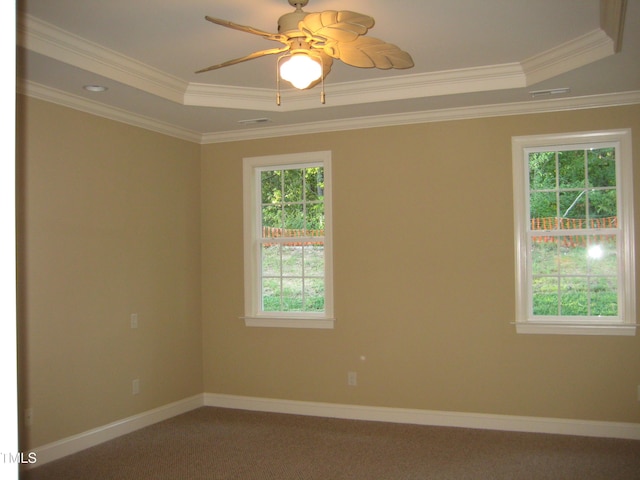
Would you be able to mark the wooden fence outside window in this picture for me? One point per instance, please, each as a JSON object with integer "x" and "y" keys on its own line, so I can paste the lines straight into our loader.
{"x": 555, "y": 223}
{"x": 270, "y": 232}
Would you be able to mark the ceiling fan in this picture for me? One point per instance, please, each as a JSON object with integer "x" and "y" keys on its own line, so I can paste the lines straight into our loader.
{"x": 312, "y": 40}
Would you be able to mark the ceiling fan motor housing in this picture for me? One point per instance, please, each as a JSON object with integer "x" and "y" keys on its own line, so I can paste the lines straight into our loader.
{"x": 288, "y": 23}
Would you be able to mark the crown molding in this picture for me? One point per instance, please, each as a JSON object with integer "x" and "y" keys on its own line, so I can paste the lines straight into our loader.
{"x": 65, "y": 99}
{"x": 48, "y": 94}
{"x": 573, "y": 54}
{"x": 428, "y": 116}
{"x": 449, "y": 82}
{"x": 222, "y": 96}
{"x": 49, "y": 40}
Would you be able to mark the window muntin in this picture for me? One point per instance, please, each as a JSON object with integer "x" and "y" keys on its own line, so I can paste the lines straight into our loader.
{"x": 574, "y": 233}
{"x": 288, "y": 259}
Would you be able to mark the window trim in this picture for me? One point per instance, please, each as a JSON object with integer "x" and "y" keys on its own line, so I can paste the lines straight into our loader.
{"x": 251, "y": 186}
{"x": 523, "y": 322}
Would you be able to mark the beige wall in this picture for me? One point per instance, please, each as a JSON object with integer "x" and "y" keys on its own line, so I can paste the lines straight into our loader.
{"x": 424, "y": 281}
{"x": 110, "y": 225}
{"x": 117, "y": 220}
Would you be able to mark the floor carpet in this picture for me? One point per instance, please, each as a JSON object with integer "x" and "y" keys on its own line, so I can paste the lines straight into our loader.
{"x": 216, "y": 443}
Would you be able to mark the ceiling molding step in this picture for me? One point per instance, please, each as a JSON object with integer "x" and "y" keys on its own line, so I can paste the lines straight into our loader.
{"x": 75, "y": 102}
{"x": 446, "y": 82}
{"x": 450, "y": 114}
{"x": 612, "y": 15}
{"x": 51, "y": 41}
{"x": 573, "y": 54}
{"x": 401, "y": 87}
{"x": 224, "y": 96}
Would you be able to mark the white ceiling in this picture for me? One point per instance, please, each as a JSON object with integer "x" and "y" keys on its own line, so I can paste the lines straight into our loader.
{"x": 471, "y": 58}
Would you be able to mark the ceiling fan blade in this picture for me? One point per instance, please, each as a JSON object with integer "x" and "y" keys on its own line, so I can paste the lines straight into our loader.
{"x": 243, "y": 28}
{"x": 343, "y": 26}
{"x": 261, "y": 53}
{"x": 327, "y": 62}
{"x": 368, "y": 52}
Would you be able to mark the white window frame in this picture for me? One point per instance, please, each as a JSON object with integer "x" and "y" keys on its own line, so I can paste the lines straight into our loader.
{"x": 625, "y": 323}
{"x": 253, "y": 314}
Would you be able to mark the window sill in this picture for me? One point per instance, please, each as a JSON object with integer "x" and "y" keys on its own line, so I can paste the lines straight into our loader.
{"x": 289, "y": 322}
{"x": 549, "y": 328}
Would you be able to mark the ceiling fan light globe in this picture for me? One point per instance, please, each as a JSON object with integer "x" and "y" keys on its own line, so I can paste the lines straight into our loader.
{"x": 300, "y": 70}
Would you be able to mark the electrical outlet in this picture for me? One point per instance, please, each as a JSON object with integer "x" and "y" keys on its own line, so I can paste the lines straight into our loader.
{"x": 352, "y": 379}
{"x": 28, "y": 417}
{"x": 135, "y": 387}
{"x": 134, "y": 320}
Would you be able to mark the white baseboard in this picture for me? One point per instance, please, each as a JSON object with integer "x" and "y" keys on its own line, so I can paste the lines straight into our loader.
{"x": 560, "y": 426}
{"x": 67, "y": 446}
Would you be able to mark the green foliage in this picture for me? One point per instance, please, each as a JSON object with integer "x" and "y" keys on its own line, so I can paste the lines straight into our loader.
{"x": 293, "y": 198}
{"x": 573, "y": 183}
{"x": 602, "y": 167}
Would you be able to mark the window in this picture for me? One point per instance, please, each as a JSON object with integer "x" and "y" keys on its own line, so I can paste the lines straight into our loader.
{"x": 287, "y": 246}
{"x": 573, "y": 199}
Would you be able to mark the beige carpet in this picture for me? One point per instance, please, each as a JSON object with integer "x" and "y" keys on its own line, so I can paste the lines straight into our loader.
{"x": 215, "y": 443}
